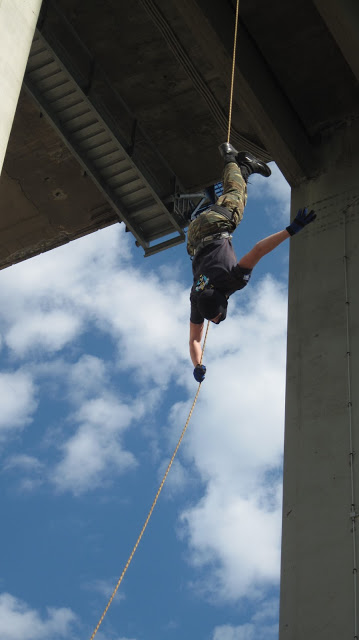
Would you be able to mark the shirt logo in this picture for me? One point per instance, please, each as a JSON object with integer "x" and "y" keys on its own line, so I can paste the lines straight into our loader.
{"x": 203, "y": 283}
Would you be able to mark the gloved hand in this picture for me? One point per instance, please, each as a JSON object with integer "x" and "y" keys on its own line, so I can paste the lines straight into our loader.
{"x": 199, "y": 372}
{"x": 301, "y": 220}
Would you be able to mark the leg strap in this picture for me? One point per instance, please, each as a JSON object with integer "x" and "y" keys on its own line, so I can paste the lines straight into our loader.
{"x": 222, "y": 210}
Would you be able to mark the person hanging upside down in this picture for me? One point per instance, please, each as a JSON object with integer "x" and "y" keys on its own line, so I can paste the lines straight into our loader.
{"x": 216, "y": 271}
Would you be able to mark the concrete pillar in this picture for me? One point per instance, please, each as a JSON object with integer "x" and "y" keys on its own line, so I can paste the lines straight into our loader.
{"x": 321, "y": 470}
{"x": 18, "y": 20}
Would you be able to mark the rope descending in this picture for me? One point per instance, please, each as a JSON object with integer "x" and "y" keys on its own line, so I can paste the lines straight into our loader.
{"x": 198, "y": 390}
{"x": 153, "y": 503}
{"x": 233, "y": 70}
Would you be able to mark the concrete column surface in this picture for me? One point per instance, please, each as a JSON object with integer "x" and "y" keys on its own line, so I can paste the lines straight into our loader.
{"x": 319, "y": 584}
{"x": 18, "y": 20}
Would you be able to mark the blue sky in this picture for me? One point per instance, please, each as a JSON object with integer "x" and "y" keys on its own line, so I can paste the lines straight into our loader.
{"x": 96, "y": 384}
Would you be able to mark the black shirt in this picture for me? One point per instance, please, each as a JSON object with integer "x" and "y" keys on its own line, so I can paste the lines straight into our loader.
{"x": 216, "y": 265}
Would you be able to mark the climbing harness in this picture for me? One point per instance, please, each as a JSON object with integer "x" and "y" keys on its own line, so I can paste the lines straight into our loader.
{"x": 197, "y": 393}
{"x": 223, "y": 211}
{"x": 154, "y": 501}
{"x": 209, "y": 239}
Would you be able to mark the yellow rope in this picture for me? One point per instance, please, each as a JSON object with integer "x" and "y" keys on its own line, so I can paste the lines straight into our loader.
{"x": 199, "y": 386}
{"x": 233, "y": 70}
{"x": 154, "y": 502}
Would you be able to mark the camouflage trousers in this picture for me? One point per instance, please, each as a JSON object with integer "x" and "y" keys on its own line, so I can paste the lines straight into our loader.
{"x": 209, "y": 222}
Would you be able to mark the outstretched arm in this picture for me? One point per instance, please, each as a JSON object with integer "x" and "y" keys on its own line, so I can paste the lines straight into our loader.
{"x": 271, "y": 242}
{"x": 195, "y": 340}
{"x": 262, "y": 248}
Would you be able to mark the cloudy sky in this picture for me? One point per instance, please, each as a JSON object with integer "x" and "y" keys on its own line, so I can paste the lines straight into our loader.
{"x": 96, "y": 385}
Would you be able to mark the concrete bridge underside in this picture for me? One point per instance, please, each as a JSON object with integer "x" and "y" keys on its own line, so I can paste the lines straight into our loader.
{"x": 149, "y": 82}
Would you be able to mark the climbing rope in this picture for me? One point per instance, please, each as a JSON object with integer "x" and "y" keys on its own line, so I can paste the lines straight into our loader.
{"x": 154, "y": 501}
{"x": 233, "y": 70}
{"x": 198, "y": 390}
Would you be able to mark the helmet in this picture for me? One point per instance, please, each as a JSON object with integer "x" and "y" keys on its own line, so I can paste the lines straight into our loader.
{"x": 211, "y": 303}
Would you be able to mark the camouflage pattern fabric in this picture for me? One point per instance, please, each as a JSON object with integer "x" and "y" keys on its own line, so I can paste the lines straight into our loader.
{"x": 234, "y": 198}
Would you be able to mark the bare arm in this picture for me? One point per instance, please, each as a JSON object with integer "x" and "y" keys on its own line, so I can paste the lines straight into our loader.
{"x": 262, "y": 248}
{"x": 195, "y": 339}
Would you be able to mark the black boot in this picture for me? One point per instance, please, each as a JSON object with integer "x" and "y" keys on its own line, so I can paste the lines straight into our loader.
{"x": 247, "y": 163}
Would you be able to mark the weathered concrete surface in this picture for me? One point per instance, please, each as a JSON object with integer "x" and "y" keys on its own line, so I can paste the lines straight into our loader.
{"x": 17, "y": 25}
{"x": 46, "y": 199}
{"x": 318, "y": 572}
{"x": 170, "y": 62}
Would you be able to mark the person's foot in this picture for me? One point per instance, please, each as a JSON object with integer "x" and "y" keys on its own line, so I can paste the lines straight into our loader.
{"x": 247, "y": 163}
{"x": 252, "y": 165}
{"x": 228, "y": 153}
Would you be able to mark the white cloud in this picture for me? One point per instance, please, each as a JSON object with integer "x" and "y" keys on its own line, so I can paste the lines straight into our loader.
{"x": 18, "y": 400}
{"x": 238, "y": 538}
{"x": 235, "y": 442}
{"x": 49, "y": 301}
{"x": 32, "y": 471}
{"x": 177, "y": 479}
{"x": 236, "y": 434}
{"x": 276, "y": 189}
{"x": 149, "y": 320}
{"x": 86, "y": 377}
{"x": 245, "y": 632}
{"x": 95, "y": 451}
{"x": 45, "y": 301}
{"x": 105, "y": 588}
{"x": 262, "y": 626}
{"x": 229, "y": 632}
{"x": 19, "y": 622}
{"x": 49, "y": 331}
{"x": 23, "y": 461}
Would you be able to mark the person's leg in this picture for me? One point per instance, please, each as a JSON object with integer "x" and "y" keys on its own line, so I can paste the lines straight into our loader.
{"x": 234, "y": 199}
{"x": 234, "y": 196}
{"x": 238, "y": 167}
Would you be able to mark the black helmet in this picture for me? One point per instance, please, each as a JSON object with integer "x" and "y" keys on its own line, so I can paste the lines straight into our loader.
{"x": 211, "y": 303}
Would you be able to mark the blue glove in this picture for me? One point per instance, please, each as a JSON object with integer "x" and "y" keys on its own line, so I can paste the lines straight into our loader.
{"x": 199, "y": 372}
{"x": 301, "y": 220}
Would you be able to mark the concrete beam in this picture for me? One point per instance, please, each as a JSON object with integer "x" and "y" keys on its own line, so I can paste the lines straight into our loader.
{"x": 256, "y": 90}
{"x": 342, "y": 19}
{"x": 18, "y": 20}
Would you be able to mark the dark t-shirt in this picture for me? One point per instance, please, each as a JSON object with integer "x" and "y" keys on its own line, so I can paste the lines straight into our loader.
{"x": 216, "y": 265}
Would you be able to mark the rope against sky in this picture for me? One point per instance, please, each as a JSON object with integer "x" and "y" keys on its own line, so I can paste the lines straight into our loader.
{"x": 154, "y": 501}
{"x": 199, "y": 386}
